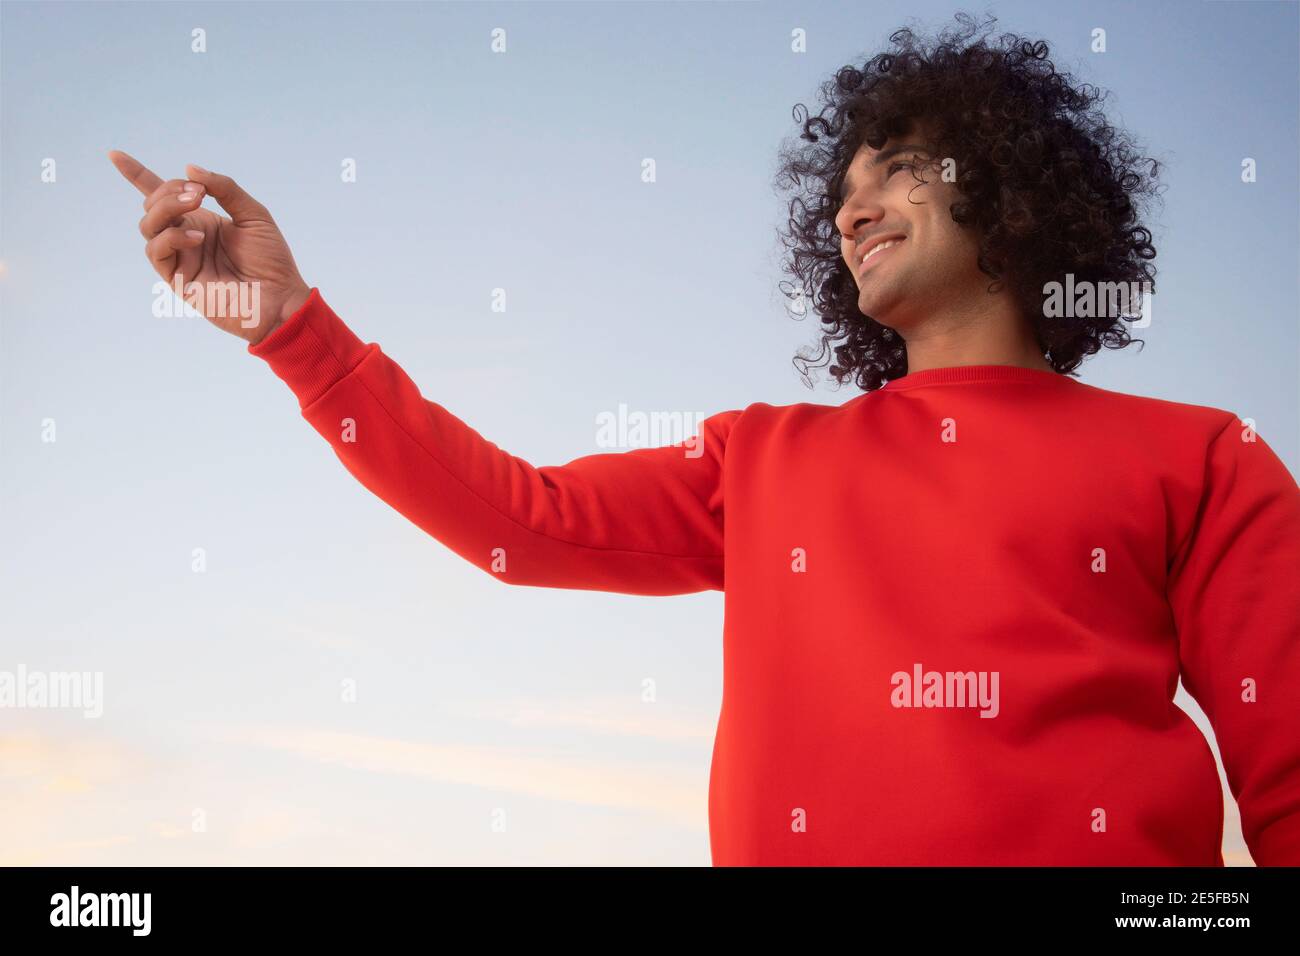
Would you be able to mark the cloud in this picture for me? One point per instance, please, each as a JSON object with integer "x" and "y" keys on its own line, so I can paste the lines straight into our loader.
{"x": 613, "y": 715}
{"x": 61, "y": 764}
{"x": 52, "y": 790}
{"x": 667, "y": 790}
{"x": 268, "y": 823}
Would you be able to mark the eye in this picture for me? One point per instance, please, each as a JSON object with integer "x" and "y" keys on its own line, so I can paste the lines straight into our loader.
{"x": 895, "y": 166}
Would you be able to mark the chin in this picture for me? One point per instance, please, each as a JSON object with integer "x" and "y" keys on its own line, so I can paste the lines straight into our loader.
{"x": 877, "y": 308}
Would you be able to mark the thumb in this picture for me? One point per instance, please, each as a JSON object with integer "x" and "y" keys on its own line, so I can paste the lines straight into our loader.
{"x": 241, "y": 206}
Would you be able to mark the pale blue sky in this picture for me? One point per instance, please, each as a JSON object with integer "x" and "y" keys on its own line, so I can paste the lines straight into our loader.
{"x": 475, "y": 171}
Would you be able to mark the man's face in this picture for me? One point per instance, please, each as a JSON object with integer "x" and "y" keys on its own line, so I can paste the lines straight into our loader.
{"x": 931, "y": 265}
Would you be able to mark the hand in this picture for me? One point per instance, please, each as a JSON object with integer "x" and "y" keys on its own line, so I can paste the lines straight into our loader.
{"x": 197, "y": 245}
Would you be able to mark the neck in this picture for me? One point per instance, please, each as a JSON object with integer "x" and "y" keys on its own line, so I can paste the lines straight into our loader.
{"x": 988, "y": 331}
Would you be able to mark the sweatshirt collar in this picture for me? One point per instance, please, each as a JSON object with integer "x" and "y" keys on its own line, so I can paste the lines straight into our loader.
{"x": 961, "y": 374}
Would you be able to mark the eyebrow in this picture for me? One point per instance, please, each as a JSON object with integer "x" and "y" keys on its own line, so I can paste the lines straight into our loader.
{"x": 881, "y": 157}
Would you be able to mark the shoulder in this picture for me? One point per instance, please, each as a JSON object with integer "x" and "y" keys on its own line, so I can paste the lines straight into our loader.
{"x": 1147, "y": 413}
{"x": 1168, "y": 410}
{"x": 1186, "y": 438}
{"x": 766, "y": 416}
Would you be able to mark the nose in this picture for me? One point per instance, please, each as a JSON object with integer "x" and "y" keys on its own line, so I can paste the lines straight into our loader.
{"x": 859, "y": 211}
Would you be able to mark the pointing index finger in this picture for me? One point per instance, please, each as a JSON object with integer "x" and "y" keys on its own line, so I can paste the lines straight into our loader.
{"x": 140, "y": 176}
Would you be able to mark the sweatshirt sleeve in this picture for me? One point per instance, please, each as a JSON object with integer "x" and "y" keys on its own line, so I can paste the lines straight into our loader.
{"x": 1234, "y": 595}
{"x": 644, "y": 521}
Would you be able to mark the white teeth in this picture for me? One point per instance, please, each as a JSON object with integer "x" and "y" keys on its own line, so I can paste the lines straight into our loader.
{"x": 883, "y": 245}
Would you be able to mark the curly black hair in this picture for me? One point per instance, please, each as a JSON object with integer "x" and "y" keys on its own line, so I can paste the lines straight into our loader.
{"x": 1050, "y": 185}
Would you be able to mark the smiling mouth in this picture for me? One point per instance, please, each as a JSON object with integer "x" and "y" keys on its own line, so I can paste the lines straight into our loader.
{"x": 876, "y": 251}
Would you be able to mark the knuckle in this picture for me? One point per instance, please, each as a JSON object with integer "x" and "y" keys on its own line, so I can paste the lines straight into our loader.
{"x": 163, "y": 188}
{"x": 161, "y": 243}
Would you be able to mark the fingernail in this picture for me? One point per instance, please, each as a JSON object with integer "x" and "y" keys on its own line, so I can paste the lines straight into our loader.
{"x": 188, "y": 197}
{"x": 199, "y": 168}
{"x": 193, "y": 233}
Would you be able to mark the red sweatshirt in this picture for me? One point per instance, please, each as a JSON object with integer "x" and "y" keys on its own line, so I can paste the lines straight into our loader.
{"x": 957, "y": 607}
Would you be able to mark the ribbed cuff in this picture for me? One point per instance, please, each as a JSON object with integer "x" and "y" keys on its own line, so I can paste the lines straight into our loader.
{"x": 311, "y": 350}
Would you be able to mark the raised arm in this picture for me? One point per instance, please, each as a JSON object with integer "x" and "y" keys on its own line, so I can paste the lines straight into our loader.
{"x": 646, "y": 521}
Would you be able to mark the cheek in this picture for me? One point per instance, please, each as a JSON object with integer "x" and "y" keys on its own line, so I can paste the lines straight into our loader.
{"x": 943, "y": 233}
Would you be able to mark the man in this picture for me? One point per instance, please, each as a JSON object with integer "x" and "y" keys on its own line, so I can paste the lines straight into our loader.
{"x": 957, "y": 605}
